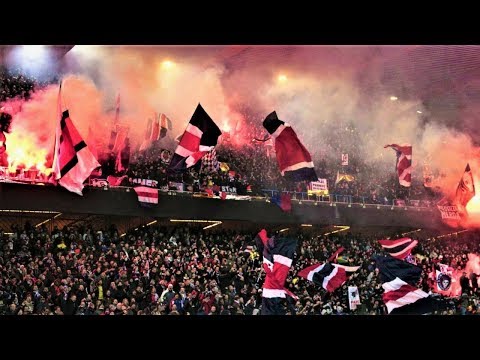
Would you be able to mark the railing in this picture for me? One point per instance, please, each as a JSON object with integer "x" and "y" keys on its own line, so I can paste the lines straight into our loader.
{"x": 332, "y": 199}
{"x": 349, "y": 199}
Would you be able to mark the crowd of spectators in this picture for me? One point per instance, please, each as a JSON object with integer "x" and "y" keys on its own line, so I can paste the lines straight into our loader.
{"x": 15, "y": 83}
{"x": 253, "y": 162}
{"x": 189, "y": 271}
{"x": 255, "y": 165}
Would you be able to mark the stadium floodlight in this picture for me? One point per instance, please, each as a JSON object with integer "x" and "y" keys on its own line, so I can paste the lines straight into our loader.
{"x": 167, "y": 64}
{"x": 33, "y": 52}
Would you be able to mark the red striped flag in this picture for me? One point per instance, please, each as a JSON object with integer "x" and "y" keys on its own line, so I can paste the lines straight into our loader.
{"x": 400, "y": 294}
{"x": 399, "y": 248}
{"x": 465, "y": 188}
{"x": 277, "y": 259}
{"x": 404, "y": 163}
{"x": 334, "y": 256}
{"x": 200, "y": 137}
{"x": 146, "y": 195}
{"x": 122, "y": 133}
{"x": 73, "y": 161}
{"x": 155, "y": 129}
{"x": 293, "y": 158}
{"x": 399, "y": 280}
{"x": 148, "y": 133}
{"x": 329, "y": 276}
{"x": 165, "y": 124}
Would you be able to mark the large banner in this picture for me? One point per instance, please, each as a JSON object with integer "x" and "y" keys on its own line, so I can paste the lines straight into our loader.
{"x": 318, "y": 187}
{"x": 449, "y": 212}
{"x": 144, "y": 182}
{"x": 353, "y": 297}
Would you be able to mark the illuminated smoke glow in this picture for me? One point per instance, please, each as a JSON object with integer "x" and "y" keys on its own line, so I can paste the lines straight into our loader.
{"x": 340, "y": 91}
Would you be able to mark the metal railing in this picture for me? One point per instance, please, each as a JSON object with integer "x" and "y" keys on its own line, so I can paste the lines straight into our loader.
{"x": 348, "y": 199}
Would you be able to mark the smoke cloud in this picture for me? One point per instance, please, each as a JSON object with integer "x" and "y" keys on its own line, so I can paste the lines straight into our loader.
{"x": 337, "y": 98}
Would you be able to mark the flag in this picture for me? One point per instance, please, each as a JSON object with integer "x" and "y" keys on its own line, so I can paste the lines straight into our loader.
{"x": 248, "y": 249}
{"x": 291, "y": 300}
{"x": 443, "y": 277}
{"x": 117, "y": 109}
{"x": 465, "y": 189}
{"x": 334, "y": 256}
{"x": 345, "y": 177}
{"x": 200, "y": 137}
{"x": 277, "y": 259}
{"x": 123, "y": 157}
{"x": 293, "y": 158}
{"x": 443, "y": 281}
{"x": 146, "y": 195}
{"x": 399, "y": 248}
{"x": 121, "y": 135}
{"x": 209, "y": 192}
{"x": 113, "y": 136}
{"x": 154, "y": 135}
{"x": 224, "y": 167}
{"x": 404, "y": 163}
{"x": 353, "y": 297}
{"x": 344, "y": 159}
{"x": 148, "y": 132}
{"x": 73, "y": 161}
{"x": 165, "y": 124}
{"x": 284, "y": 201}
{"x": 114, "y": 180}
{"x": 210, "y": 163}
{"x": 399, "y": 281}
{"x": 329, "y": 276}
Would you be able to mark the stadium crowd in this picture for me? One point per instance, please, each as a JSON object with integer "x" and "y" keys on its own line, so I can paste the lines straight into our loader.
{"x": 188, "y": 271}
{"x": 251, "y": 163}
{"x": 15, "y": 83}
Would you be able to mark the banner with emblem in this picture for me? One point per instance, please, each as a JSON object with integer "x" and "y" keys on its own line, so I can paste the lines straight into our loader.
{"x": 344, "y": 159}
{"x": 353, "y": 297}
{"x": 165, "y": 156}
{"x": 443, "y": 279}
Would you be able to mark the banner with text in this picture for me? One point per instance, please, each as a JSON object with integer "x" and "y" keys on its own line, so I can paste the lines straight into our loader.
{"x": 449, "y": 212}
{"x": 318, "y": 187}
{"x": 144, "y": 182}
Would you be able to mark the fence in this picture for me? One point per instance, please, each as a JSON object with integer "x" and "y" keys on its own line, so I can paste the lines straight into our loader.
{"x": 349, "y": 199}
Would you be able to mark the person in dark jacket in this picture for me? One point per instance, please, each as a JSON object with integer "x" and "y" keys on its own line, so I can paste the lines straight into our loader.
{"x": 71, "y": 305}
{"x": 474, "y": 281}
{"x": 465, "y": 283}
